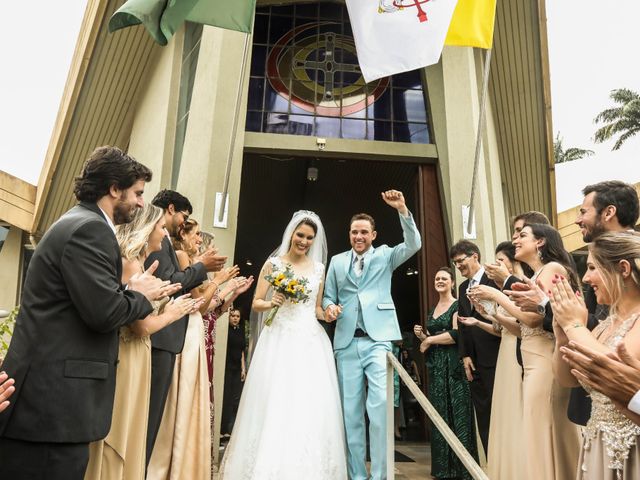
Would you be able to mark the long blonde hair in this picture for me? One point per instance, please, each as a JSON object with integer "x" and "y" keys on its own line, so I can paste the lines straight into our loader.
{"x": 607, "y": 251}
{"x": 133, "y": 237}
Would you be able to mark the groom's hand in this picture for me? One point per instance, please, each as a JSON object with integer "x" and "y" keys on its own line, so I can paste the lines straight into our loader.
{"x": 395, "y": 199}
{"x": 332, "y": 312}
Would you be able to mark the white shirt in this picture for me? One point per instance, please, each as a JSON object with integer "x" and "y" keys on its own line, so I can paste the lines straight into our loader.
{"x": 109, "y": 222}
{"x": 475, "y": 280}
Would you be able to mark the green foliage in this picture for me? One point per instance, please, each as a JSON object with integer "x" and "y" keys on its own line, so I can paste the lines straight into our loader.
{"x": 561, "y": 155}
{"x": 6, "y": 331}
{"x": 622, "y": 120}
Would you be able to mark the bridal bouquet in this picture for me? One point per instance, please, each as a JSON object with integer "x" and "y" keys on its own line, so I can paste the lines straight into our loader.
{"x": 292, "y": 287}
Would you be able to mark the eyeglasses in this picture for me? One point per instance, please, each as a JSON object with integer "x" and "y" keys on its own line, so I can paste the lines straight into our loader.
{"x": 185, "y": 215}
{"x": 459, "y": 261}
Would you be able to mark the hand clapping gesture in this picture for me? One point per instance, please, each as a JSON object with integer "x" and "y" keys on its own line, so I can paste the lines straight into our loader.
{"x": 211, "y": 260}
{"x": 419, "y": 332}
{"x": 6, "y": 389}
{"x": 568, "y": 306}
{"x": 183, "y": 305}
{"x": 498, "y": 272}
{"x": 151, "y": 287}
{"x": 395, "y": 199}
{"x": 226, "y": 274}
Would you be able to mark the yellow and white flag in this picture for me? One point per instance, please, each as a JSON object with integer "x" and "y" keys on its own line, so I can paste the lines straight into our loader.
{"x": 394, "y": 36}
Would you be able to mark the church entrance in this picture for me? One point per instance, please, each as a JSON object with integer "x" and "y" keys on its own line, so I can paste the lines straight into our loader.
{"x": 273, "y": 187}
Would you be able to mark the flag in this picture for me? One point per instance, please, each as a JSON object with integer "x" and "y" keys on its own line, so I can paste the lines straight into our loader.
{"x": 394, "y": 36}
{"x": 472, "y": 24}
{"x": 162, "y": 18}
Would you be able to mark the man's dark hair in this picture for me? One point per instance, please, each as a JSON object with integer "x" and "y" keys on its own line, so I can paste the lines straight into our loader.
{"x": 532, "y": 217}
{"x": 464, "y": 247}
{"x": 107, "y": 167}
{"x": 164, "y": 198}
{"x": 619, "y": 194}
{"x": 363, "y": 216}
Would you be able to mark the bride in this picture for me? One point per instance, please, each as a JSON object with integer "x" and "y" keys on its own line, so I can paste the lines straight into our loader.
{"x": 289, "y": 423}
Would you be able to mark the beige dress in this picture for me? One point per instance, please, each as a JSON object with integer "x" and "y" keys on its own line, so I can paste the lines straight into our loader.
{"x": 610, "y": 450}
{"x": 183, "y": 446}
{"x": 121, "y": 455}
{"x": 505, "y": 432}
{"x": 551, "y": 440}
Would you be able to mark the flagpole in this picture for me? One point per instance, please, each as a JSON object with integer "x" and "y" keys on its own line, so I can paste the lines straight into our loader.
{"x": 481, "y": 126}
{"x": 234, "y": 128}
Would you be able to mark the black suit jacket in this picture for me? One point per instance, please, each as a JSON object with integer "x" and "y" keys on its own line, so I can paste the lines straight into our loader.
{"x": 64, "y": 349}
{"x": 171, "y": 337}
{"x": 474, "y": 342}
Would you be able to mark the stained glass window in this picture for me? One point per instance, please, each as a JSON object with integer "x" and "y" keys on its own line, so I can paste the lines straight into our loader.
{"x": 305, "y": 80}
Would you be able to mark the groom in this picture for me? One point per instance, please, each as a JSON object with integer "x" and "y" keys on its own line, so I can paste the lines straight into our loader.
{"x": 358, "y": 295}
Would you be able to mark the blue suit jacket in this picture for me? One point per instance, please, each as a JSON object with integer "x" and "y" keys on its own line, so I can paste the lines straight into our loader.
{"x": 373, "y": 292}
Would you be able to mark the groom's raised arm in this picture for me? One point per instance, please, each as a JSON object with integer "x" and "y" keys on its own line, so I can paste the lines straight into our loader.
{"x": 411, "y": 244}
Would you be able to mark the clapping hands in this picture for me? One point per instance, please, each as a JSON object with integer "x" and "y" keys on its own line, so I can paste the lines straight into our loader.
{"x": 211, "y": 260}
{"x": 150, "y": 286}
{"x": 568, "y": 307}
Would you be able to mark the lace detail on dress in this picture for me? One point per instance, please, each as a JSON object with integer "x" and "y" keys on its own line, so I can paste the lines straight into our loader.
{"x": 527, "y": 331}
{"x": 619, "y": 433}
{"x": 299, "y": 316}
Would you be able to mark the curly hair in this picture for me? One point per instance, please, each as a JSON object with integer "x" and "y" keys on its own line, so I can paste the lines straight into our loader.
{"x": 178, "y": 241}
{"x": 107, "y": 167}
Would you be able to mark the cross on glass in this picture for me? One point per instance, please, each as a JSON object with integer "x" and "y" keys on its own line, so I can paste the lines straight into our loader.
{"x": 329, "y": 66}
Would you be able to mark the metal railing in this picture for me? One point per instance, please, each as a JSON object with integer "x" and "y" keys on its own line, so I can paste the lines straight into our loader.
{"x": 465, "y": 457}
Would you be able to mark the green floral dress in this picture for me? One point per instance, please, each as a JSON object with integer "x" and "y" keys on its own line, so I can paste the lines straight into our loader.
{"x": 450, "y": 395}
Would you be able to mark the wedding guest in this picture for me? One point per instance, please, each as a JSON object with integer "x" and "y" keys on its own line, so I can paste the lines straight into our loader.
{"x": 169, "y": 341}
{"x": 448, "y": 388}
{"x": 65, "y": 342}
{"x": 409, "y": 407}
{"x": 122, "y": 453}
{"x": 235, "y": 372}
{"x": 611, "y": 445}
{"x": 505, "y": 432}
{"x": 183, "y": 445}
{"x": 6, "y": 389}
{"x": 551, "y": 441}
{"x": 477, "y": 347}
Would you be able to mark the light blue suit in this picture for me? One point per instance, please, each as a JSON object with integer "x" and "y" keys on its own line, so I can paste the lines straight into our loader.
{"x": 366, "y": 298}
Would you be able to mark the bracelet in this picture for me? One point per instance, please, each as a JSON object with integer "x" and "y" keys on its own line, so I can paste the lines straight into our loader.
{"x": 576, "y": 325}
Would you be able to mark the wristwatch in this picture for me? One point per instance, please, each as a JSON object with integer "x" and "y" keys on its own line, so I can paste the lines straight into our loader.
{"x": 542, "y": 306}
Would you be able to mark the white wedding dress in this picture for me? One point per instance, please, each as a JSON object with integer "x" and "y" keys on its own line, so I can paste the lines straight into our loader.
{"x": 289, "y": 423}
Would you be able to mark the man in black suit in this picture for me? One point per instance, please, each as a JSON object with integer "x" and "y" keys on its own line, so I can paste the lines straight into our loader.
{"x": 478, "y": 349}
{"x": 169, "y": 341}
{"x": 610, "y": 206}
{"x": 64, "y": 350}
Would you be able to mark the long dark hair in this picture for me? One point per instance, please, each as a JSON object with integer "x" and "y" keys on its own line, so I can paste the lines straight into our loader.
{"x": 553, "y": 251}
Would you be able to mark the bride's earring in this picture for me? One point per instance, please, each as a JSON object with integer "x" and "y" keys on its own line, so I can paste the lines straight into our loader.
{"x": 539, "y": 253}
{"x": 146, "y": 245}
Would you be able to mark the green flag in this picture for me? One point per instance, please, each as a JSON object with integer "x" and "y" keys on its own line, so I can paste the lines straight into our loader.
{"x": 162, "y": 18}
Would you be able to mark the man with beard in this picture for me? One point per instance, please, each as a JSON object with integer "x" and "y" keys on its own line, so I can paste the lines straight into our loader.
{"x": 64, "y": 349}
{"x": 169, "y": 341}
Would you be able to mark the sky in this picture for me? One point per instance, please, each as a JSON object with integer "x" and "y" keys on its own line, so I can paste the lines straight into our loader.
{"x": 591, "y": 52}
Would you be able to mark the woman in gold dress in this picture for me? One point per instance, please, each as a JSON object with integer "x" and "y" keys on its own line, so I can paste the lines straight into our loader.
{"x": 504, "y": 460}
{"x": 611, "y": 445}
{"x": 122, "y": 453}
{"x": 551, "y": 443}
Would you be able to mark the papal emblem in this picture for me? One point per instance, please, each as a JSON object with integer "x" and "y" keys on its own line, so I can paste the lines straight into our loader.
{"x": 391, "y": 6}
{"x": 316, "y": 67}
